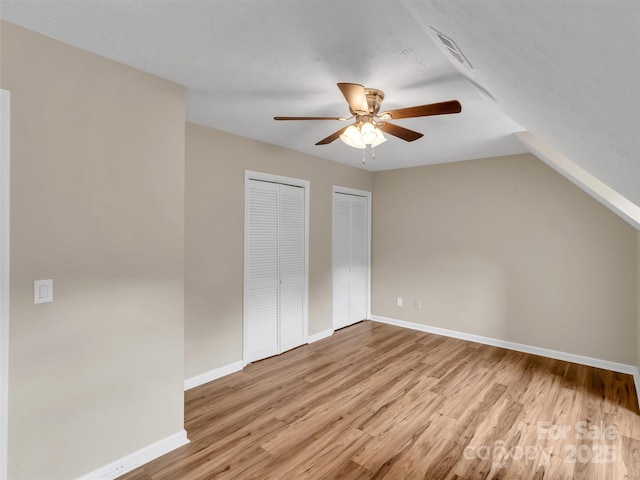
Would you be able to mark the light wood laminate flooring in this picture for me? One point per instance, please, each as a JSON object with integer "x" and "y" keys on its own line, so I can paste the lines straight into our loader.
{"x": 379, "y": 401}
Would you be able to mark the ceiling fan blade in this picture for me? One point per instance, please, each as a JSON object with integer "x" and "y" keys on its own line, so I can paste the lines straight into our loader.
{"x": 442, "y": 108}
{"x": 356, "y": 97}
{"x": 332, "y": 137}
{"x": 310, "y": 118}
{"x": 400, "y": 132}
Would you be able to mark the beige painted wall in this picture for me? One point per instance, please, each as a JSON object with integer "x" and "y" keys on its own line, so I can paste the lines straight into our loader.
{"x": 505, "y": 248}
{"x": 97, "y": 204}
{"x": 216, "y": 163}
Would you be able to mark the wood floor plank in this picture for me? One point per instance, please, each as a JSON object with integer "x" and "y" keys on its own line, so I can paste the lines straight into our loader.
{"x": 377, "y": 401}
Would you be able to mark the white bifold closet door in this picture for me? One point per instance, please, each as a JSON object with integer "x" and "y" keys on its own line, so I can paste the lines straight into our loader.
{"x": 350, "y": 259}
{"x": 275, "y": 283}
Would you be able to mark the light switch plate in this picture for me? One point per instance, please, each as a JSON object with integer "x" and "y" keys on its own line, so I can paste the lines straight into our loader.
{"x": 43, "y": 291}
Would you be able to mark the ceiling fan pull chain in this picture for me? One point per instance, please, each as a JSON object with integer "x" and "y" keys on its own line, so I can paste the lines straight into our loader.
{"x": 373, "y": 153}
{"x": 363, "y": 150}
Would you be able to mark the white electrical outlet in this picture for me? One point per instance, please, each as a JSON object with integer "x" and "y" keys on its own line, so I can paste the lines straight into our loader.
{"x": 399, "y": 301}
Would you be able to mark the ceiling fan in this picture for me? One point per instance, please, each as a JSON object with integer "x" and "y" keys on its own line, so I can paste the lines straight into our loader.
{"x": 364, "y": 105}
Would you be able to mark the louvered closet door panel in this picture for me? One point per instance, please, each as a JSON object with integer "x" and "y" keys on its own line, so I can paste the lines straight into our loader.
{"x": 292, "y": 267}
{"x": 341, "y": 259}
{"x": 262, "y": 282}
{"x": 359, "y": 247}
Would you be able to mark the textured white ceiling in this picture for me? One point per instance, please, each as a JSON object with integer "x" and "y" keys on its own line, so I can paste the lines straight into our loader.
{"x": 566, "y": 70}
{"x": 244, "y": 62}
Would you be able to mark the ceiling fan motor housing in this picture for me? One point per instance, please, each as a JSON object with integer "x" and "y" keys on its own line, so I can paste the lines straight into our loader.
{"x": 374, "y": 100}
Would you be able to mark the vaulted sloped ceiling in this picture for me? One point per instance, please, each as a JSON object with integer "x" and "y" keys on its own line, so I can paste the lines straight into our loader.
{"x": 568, "y": 71}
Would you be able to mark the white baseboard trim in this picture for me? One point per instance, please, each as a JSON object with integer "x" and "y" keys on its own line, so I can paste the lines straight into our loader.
{"x": 214, "y": 374}
{"x": 138, "y": 458}
{"x": 320, "y": 335}
{"x": 636, "y": 380}
{"x": 519, "y": 347}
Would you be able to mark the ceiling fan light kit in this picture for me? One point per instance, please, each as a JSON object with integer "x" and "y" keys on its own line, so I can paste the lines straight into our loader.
{"x": 364, "y": 105}
{"x": 359, "y": 136}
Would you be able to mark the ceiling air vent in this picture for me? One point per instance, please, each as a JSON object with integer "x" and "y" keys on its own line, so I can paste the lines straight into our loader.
{"x": 452, "y": 49}
{"x": 458, "y": 60}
